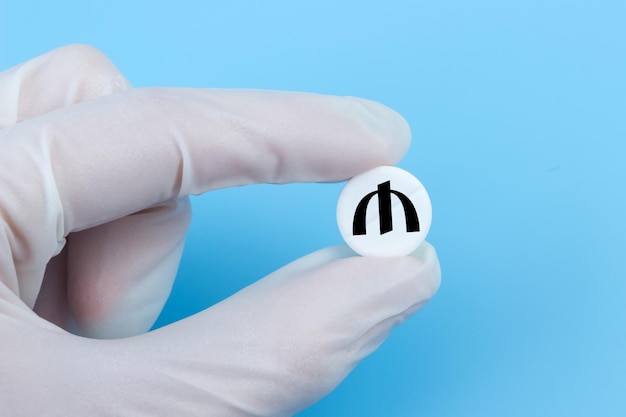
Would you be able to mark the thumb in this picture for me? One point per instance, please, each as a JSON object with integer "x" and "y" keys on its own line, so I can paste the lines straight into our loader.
{"x": 286, "y": 341}
{"x": 272, "y": 349}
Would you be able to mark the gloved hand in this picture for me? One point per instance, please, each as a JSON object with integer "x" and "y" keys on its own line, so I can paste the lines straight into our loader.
{"x": 94, "y": 179}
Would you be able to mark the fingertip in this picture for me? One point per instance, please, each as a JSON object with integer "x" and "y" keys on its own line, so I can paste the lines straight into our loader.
{"x": 405, "y": 281}
{"x": 428, "y": 268}
{"x": 387, "y": 125}
{"x": 395, "y": 283}
{"x": 420, "y": 271}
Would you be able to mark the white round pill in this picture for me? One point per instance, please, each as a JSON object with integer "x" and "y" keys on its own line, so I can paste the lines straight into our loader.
{"x": 384, "y": 212}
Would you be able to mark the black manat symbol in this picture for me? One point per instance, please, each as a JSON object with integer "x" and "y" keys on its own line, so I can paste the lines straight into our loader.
{"x": 384, "y": 192}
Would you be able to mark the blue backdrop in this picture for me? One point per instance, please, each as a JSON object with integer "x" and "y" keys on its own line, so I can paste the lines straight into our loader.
{"x": 518, "y": 111}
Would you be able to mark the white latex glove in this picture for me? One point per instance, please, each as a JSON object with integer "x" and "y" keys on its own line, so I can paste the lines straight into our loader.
{"x": 93, "y": 213}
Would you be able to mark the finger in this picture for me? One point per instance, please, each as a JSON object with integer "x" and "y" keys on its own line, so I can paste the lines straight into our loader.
{"x": 141, "y": 148}
{"x": 59, "y": 78}
{"x": 287, "y": 340}
{"x": 101, "y": 160}
{"x": 111, "y": 275}
{"x": 120, "y": 274}
{"x": 63, "y": 76}
{"x": 54, "y": 80}
{"x": 271, "y": 349}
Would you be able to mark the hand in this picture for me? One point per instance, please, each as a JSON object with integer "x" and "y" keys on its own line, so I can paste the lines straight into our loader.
{"x": 94, "y": 179}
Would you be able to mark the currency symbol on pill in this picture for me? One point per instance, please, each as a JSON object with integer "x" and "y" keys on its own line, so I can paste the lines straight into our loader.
{"x": 398, "y": 194}
{"x": 385, "y": 216}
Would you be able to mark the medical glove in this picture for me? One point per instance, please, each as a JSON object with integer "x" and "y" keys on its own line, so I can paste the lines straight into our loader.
{"x": 94, "y": 185}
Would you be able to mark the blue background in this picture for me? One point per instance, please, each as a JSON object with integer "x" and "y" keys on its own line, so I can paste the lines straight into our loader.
{"x": 518, "y": 111}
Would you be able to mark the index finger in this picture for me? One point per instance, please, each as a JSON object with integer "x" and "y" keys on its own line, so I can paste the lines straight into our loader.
{"x": 157, "y": 144}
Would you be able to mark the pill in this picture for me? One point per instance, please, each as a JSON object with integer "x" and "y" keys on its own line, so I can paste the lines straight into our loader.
{"x": 384, "y": 212}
